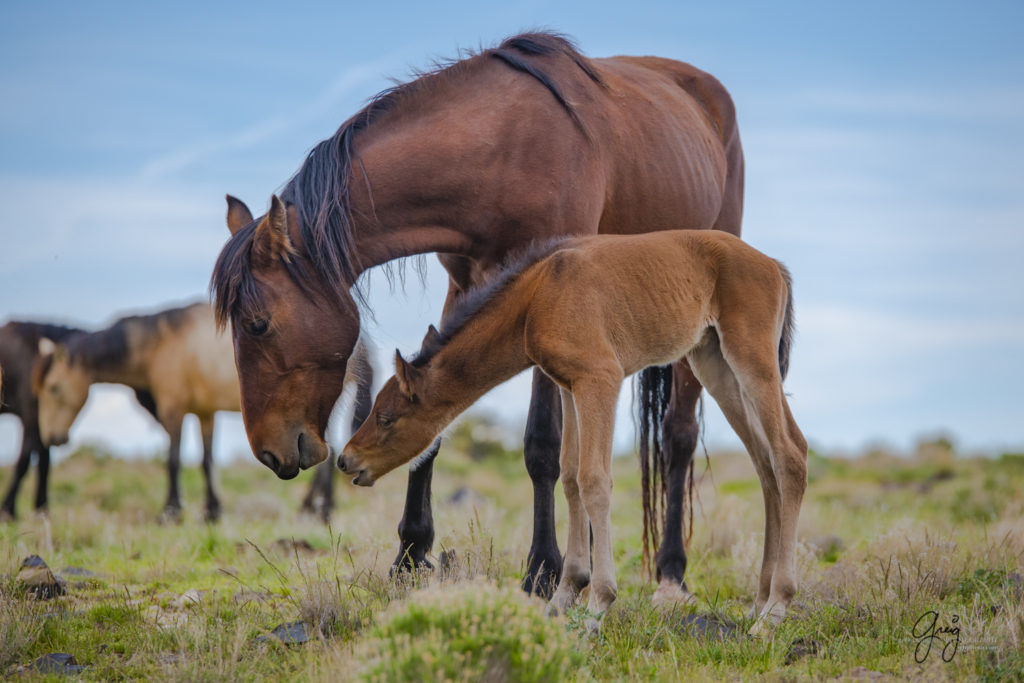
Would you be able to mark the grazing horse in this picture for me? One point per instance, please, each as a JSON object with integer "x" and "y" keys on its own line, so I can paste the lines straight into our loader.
{"x": 474, "y": 160}
{"x": 19, "y": 348}
{"x": 589, "y": 312}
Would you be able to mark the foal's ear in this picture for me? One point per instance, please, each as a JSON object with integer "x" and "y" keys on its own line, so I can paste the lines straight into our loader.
{"x": 271, "y": 238}
{"x": 406, "y": 375}
{"x": 239, "y": 214}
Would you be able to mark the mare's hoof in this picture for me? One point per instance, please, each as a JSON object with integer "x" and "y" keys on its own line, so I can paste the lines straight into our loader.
{"x": 170, "y": 515}
{"x": 670, "y": 594}
{"x": 542, "y": 576}
{"x": 406, "y": 564}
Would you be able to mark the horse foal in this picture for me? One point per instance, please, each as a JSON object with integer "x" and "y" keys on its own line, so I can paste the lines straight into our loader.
{"x": 590, "y": 311}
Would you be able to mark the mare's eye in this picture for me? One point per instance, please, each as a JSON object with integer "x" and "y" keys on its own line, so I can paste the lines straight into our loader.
{"x": 258, "y": 327}
{"x": 385, "y": 421}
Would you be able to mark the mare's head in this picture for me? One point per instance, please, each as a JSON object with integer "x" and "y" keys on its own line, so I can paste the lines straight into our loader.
{"x": 407, "y": 416}
{"x": 293, "y": 334}
{"x": 61, "y": 388}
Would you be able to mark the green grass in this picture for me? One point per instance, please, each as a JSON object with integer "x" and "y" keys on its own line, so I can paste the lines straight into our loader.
{"x": 884, "y": 540}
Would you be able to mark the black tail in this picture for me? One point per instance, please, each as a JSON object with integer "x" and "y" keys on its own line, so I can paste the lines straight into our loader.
{"x": 654, "y": 389}
{"x": 788, "y": 324}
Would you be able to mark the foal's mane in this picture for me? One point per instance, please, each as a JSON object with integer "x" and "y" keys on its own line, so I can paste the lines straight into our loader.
{"x": 319, "y": 190}
{"x": 474, "y": 300}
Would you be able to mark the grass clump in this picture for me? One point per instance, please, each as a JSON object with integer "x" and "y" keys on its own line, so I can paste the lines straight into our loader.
{"x": 469, "y": 632}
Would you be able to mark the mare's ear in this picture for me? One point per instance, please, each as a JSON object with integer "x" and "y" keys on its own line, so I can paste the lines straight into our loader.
{"x": 271, "y": 239}
{"x": 406, "y": 375}
{"x": 239, "y": 214}
{"x": 431, "y": 341}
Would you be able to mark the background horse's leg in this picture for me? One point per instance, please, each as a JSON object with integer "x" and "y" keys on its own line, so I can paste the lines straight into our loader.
{"x": 29, "y": 440}
{"x": 541, "y": 447}
{"x": 42, "y": 476}
{"x": 679, "y": 439}
{"x": 212, "y": 504}
{"x": 171, "y": 421}
{"x": 416, "y": 530}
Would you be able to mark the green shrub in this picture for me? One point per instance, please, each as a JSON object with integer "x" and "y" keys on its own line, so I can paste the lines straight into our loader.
{"x": 470, "y": 632}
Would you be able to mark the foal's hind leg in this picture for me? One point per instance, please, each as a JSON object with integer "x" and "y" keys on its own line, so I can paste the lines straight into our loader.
{"x": 679, "y": 439}
{"x": 212, "y": 504}
{"x": 721, "y": 383}
{"x": 576, "y": 568}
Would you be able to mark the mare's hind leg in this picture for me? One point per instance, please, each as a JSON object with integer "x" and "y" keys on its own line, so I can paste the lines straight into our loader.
{"x": 212, "y": 504}
{"x": 721, "y": 383}
{"x": 576, "y": 568}
{"x": 171, "y": 421}
{"x": 541, "y": 446}
{"x": 30, "y": 441}
{"x": 679, "y": 439}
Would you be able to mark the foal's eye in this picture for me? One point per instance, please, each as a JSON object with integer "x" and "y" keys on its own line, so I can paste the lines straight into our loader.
{"x": 385, "y": 421}
{"x": 258, "y": 327}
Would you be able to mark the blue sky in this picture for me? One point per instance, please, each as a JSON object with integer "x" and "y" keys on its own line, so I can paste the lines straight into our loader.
{"x": 884, "y": 146}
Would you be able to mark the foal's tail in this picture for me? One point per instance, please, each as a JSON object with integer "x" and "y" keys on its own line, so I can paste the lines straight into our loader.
{"x": 654, "y": 389}
{"x": 788, "y": 325}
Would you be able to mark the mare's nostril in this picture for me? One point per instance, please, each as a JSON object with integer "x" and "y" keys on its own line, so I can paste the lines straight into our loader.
{"x": 270, "y": 460}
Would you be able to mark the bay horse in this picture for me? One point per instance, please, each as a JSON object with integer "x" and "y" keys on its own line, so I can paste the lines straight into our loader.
{"x": 474, "y": 160}
{"x": 19, "y": 348}
{"x": 589, "y": 312}
{"x": 177, "y": 363}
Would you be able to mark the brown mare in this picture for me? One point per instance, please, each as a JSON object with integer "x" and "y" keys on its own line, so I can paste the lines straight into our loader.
{"x": 589, "y": 312}
{"x": 19, "y": 348}
{"x": 525, "y": 141}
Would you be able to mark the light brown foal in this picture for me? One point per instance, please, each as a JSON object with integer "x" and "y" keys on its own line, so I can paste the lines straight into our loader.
{"x": 591, "y": 311}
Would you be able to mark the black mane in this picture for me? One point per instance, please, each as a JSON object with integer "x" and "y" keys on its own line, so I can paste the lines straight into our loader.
{"x": 475, "y": 299}
{"x": 319, "y": 190}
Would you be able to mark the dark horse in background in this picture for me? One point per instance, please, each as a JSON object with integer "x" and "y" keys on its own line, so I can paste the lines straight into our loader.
{"x": 19, "y": 349}
{"x": 474, "y": 160}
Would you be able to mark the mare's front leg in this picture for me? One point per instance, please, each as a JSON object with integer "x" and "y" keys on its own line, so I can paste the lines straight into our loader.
{"x": 541, "y": 447}
{"x": 576, "y": 569}
{"x": 212, "y": 503}
{"x": 416, "y": 530}
{"x": 171, "y": 421}
{"x": 595, "y": 399}
{"x": 679, "y": 439}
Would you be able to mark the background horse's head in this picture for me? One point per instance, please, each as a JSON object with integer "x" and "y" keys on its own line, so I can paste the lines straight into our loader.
{"x": 62, "y": 388}
{"x": 292, "y": 332}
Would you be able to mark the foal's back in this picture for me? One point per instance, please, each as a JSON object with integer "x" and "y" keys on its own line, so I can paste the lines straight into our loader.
{"x": 644, "y": 299}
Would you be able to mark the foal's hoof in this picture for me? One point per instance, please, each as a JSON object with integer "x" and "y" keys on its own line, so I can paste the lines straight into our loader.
{"x": 593, "y": 625}
{"x": 170, "y": 515}
{"x": 763, "y": 629}
{"x": 670, "y": 594}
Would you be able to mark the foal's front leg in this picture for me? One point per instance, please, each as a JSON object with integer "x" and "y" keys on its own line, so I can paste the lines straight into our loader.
{"x": 576, "y": 569}
{"x": 595, "y": 407}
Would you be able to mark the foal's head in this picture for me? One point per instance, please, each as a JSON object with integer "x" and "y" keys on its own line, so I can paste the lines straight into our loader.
{"x": 62, "y": 388}
{"x": 407, "y": 416}
{"x": 293, "y": 335}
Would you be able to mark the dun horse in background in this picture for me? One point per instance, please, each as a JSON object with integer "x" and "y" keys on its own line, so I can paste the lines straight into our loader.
{"x": 19, "y": 348}
{"x": 176, "y": 362}
{"x": 525, "y": 141}
{"x": 590, "y": 313}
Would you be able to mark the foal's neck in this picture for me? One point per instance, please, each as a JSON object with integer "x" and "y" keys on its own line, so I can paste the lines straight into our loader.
{"x": 488, "y": 350}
